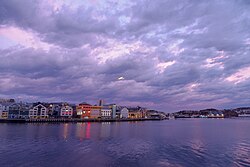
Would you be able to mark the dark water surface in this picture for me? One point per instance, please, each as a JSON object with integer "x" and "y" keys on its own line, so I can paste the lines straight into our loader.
{"x": 188, "y": 142}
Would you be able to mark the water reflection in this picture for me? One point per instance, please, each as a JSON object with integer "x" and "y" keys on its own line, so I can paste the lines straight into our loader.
{"x": 198, "y": 142}
{"x": 241, "y": 153}
{"x": 105, "y": 130}
{"x": 87, "y": 134}
{"x": 83, "y": 130}
{"x": 65, "y": 130}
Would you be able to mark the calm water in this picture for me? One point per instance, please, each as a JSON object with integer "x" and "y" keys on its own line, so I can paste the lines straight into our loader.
{"x": 190, "y": 142}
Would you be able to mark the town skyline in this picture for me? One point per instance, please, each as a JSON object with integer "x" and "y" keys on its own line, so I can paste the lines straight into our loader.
{"x": 164, "y": 55}
{"x": 12, "y": 110}
{"x": 102, "y": 102}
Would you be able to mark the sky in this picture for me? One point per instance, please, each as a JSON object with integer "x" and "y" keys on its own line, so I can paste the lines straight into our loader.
{"x": 167, "y": 55}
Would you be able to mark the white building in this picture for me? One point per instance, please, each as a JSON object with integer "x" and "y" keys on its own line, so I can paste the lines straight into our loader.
{"x": 38, "y": 111}
{"x": 66, "y": 111}
{"x": 124, "y": 113}
{"x": 106, "y": 112}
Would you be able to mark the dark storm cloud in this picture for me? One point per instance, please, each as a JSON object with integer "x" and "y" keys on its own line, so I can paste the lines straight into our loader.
{"x": 177, "y": 76}
{"x": 38, "y": 63}
{"x": 67, "y": 28}
{"x": 172, "y": 54}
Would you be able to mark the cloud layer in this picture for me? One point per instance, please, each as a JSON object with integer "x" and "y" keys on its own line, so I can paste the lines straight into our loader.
{"x": 167, "y": 55}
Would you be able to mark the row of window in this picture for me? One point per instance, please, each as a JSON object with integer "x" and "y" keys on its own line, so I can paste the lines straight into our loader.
{"x": 63, "y": 110}
{"x": 67, "y": 113}
{"x": 106, "y": 114}
{"x": 36, "y": 113}
{"x": 36, "y": 109}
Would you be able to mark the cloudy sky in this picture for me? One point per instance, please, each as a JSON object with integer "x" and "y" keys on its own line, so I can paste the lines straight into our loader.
{"x": 162, "y": 54}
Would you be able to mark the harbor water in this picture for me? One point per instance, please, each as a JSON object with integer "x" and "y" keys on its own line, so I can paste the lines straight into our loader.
{"x": 182, "y": 142}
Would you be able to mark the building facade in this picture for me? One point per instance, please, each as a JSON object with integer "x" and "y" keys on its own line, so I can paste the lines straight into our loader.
{"x": 95, "y": 112}
{"x": 152, "y": 114}
{"x": 136, "y": 112}
{"x": 114, "y": 110}
{"x": 124, "y": 112}
{"x": 106, "y": 112}
{"x": 66, "y": 111}
{"x": 24, "y": 110}
{"x": 83, "y": 110}
{"x": 4, "y": 110}
{"x": 39, "y": 111}
{"x": 14, "y": 110}
{"x": 54, "y": 109}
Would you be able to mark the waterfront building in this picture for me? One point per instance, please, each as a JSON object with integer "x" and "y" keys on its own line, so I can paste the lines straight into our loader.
{"x": 106, "y": 111}
{"x": 242, "y": 110}
{"x": 38, "y": 111}
{"x": 114, "y": 110}
{"x": 133, "y": 114}
{"x": 124, "y": 112}
{"x": 66, "y": 111}
{"x": 83, "y": 110}
{"x": 74, "y": 115}
{"x": 118, "y": 111}
{"x": 1, "y": 111}
{"x": 24, "y": 110}
{"x": 215, "y": 114}
{"x": 95, "y": 112}
{"x": 4, "y": 111}
{"x": 54, "y": 109}
{"x": 14, "y": 110}
{"x": 114, "y": 113}
{"x": 136, "y": 112}
{"x": 152, "y": 114}
{"x": 143, "y": 111}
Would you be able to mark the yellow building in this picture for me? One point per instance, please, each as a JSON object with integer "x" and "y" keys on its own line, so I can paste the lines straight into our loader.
{"x": 95, "y": 112}
{"x": 134, "y": 114}
{"x": 4, "y": 115}
{"x": 4, "y": 111}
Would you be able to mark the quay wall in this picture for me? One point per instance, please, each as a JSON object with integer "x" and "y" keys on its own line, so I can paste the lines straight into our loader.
{"x": 73, "y": 120}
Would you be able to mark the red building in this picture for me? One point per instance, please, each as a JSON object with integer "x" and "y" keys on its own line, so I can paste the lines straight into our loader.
{"x": 83, "y": 110}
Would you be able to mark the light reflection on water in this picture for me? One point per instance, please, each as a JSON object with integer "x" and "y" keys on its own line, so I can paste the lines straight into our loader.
{"x": 192, "y": 142}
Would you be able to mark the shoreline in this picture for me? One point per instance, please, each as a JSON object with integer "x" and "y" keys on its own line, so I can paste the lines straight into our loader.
{"x": 74, "y": 120}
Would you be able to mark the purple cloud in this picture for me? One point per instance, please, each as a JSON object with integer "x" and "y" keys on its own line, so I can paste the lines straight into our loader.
{"x": 167, "y": 55}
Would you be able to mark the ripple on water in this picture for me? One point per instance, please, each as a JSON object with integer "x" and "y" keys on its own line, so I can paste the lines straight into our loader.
{"x": 130, "y": 149}
{"x": 166, "y": 163}
{"x": 241, "y": 153}
{"x": 122, "y": 146}
{"x": 179, "y": 155}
